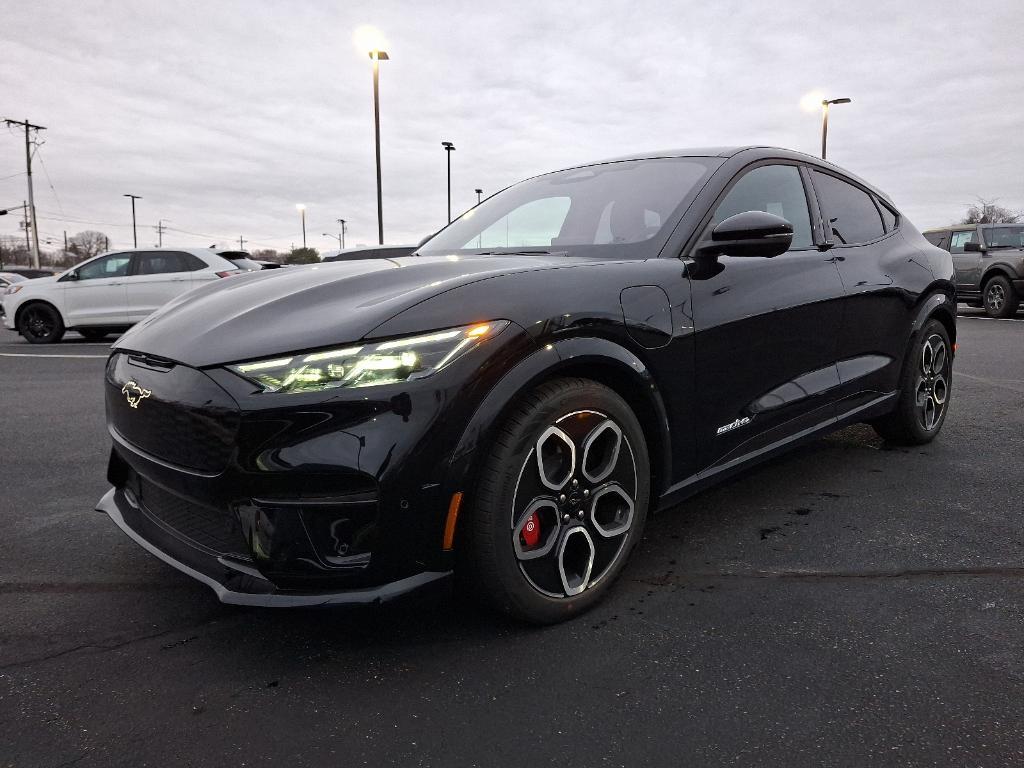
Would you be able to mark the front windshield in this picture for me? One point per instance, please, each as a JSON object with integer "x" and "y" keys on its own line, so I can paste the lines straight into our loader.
{"x": 615, "y": 209}
{"x": 1005, "y": 237}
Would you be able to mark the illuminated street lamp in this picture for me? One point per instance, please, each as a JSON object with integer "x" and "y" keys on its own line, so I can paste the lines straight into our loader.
{"x": 825, "y": 104}
{"x": 302, "y": 211}
{"x": 368, "y": 37}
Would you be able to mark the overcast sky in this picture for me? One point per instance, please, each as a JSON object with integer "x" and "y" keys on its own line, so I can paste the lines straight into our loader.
{"x": 224, "y": 115}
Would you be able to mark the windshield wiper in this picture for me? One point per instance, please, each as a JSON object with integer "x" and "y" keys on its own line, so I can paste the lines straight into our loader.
{"x": 512, "y": 252}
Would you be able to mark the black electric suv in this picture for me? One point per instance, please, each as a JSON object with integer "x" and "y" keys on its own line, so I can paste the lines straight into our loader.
{"x": 511, "y": 401}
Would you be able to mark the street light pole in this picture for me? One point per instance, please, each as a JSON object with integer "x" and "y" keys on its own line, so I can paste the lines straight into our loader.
{"x": 378, "y": 56}
{"x": 342, "y": 222}
{"x": 825, "y": 104}
{"x": 478, "y": 193}
{"x": 135, "y": 234}
{"x": 448, "y": 149}
{"x": 302, "y": 212}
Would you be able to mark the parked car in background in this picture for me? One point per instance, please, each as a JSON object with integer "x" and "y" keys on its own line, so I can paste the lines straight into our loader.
{"x": 112, "y": 291}
{"x": 269, "y": 264}
{"x": 989, "y": 263}
{"x": 9, "y": 278}
{"x": 29, "y": 272}
{"x": 511, "y": 401}
{"x": 369, "y": 252}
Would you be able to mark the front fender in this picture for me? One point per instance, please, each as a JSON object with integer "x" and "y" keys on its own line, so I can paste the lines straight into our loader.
{"x": 590, "y": 357}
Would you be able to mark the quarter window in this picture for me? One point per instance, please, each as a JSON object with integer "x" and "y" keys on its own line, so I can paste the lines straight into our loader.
{"x": 114, "y": 265}
{"x": 960, "y": 239}
{"x": 889, "y": 216}
{"x": 773, "y": 189}
{"x": 851, "y": 213}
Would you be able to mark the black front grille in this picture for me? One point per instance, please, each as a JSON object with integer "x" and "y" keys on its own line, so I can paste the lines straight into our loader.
{"x": 216, "y": 530}
{"x": 172, "y": 412}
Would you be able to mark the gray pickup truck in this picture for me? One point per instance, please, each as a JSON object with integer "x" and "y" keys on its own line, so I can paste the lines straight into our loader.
{"x": 989, "y": 263}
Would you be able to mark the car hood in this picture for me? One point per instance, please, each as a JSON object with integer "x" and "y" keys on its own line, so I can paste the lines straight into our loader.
{"x": 281, "y": 311}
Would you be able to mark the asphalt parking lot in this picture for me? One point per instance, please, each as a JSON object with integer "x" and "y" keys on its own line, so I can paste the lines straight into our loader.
{"x": 847, "y": 605}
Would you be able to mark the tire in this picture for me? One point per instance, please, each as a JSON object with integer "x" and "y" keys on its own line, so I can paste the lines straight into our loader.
{"x": 40, "y": 323}
{"x": 926, "y": 386}
{"x": 94, "y": 334}
{"x": 999, "y": 298}
{"x": 546, "y": 538}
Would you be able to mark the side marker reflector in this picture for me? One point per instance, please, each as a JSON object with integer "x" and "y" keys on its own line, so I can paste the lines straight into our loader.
{"x": 449, "y": 523}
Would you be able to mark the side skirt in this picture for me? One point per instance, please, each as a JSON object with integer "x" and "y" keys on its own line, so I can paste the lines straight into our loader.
{"x": 698, "y": 482}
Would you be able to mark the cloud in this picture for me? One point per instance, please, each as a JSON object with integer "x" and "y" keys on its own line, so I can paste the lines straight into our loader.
{"x": 224, "y": 115}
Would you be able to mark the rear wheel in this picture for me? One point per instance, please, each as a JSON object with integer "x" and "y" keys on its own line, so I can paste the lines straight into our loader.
{"x": 40, "y": 324}
{"x": 925, "y": 389}
{"x": 559, "y": 504}
{"x": 1000, "y": 300}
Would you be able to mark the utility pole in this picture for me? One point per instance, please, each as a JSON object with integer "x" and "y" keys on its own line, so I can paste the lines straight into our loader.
{"x": 31, "y": 199}
{"x": 241, "y": 243}
{"x": 135, "y": 233}
{"x": 342, "y": 222}
{"x": 159, "y": 230}
{"x": 478, "y": 193}
{"x": 65, "y": 241}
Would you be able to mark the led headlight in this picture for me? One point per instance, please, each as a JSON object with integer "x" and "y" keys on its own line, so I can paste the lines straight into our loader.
{"x": 384, "y": 362}
{"x": 13, "y": 289}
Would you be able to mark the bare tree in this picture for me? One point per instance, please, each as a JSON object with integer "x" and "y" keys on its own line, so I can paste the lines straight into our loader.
{"x": 87, "y": 244}
{"x": 987, "y": 212}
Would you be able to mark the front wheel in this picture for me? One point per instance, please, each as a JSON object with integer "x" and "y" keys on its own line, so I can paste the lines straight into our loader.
{"x": 925, "y": 389}
{"x": 559, "y": 504}
{"x": 40, "y": 324}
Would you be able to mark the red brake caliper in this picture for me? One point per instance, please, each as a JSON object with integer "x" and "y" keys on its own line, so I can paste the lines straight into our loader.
{"x": 531, "y": 531}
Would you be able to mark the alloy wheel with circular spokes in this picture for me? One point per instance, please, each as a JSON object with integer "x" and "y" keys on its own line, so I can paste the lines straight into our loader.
{"x": 995, "y": 296}
{"x": 574, "y": 504}
{"x": 932, "y": 381}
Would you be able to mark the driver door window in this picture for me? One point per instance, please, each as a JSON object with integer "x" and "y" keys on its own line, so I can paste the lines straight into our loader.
{"x": 775, "y": 189}
{"x": 114, "y": 265}
{"x": 960, "y": 239}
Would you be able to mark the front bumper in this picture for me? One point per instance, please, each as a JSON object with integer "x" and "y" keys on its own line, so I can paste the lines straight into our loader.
{"x": 236, "y": 582}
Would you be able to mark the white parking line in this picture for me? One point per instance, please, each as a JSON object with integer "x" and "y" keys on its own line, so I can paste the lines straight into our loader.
{"x": 997, "y": 319}
{"x": 29, "y": 354}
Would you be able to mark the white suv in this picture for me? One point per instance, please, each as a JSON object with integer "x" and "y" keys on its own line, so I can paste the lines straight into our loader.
{"x": 112, "y": 291}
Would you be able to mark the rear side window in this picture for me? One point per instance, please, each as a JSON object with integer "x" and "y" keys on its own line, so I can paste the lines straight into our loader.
{"x": 114, "y": 265}
{"x": 850, "y": 211}
{"x": 775, "y": 189}
{"x": 959, "y": 239}
{"x": 158, "y": 263}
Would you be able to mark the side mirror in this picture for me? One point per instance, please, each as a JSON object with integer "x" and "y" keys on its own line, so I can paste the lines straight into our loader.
{"x": 975, "y": 247}
{"x": 751, "y": 233}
